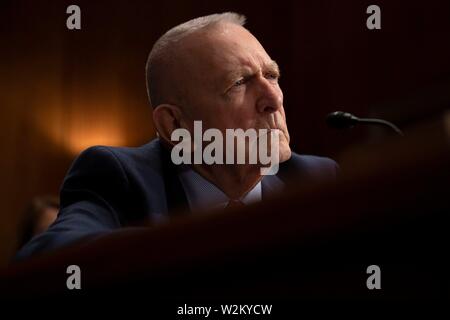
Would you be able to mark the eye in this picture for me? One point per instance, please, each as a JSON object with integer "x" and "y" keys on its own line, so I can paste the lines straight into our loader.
{"x": 272, "y": 76}
{"x": 239, "y": 82}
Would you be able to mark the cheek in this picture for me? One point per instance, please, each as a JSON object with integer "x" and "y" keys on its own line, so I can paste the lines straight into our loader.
{"x": 236, "y": 112}
{"x": 233, "y": 111}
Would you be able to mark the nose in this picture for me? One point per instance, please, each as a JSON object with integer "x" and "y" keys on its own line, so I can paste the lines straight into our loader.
{"x": 270, "y": 96}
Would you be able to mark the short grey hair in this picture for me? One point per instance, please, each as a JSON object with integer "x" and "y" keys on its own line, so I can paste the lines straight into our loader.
{"x": 163, "y": 49}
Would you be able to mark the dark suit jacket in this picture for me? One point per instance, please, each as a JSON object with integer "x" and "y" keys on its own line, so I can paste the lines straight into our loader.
{"x": 109, "y": 187}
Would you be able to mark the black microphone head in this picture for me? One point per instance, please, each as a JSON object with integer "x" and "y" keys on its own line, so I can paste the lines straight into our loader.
{"x": 341, "y": 120}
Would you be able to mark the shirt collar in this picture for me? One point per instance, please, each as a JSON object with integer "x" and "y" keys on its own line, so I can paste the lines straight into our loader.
{"x": 203, "y": 195}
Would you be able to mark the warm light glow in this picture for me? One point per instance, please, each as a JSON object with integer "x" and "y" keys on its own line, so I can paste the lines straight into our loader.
{"x": 82, "y": 114}
{"x": 82, "y": 126}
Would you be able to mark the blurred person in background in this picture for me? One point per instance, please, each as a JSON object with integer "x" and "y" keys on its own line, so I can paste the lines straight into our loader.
{"x": 38, "y": 216}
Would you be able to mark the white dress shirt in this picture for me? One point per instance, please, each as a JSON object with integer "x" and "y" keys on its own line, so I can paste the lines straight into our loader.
{"x": 203, "y": 195}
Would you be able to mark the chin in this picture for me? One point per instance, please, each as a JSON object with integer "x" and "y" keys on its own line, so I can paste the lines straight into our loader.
{"x": 285, "y": 153}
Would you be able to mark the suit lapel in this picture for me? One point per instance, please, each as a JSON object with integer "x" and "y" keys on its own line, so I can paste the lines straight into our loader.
{"x": 175, "y": 194}
{"x": 271, "y": 185}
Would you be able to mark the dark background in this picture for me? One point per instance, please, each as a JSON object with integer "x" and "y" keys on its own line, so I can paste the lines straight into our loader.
{"x": 63, "y": 90}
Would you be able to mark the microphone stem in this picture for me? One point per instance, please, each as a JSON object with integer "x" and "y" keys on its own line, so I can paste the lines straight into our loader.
{"x": 382, "y": 123}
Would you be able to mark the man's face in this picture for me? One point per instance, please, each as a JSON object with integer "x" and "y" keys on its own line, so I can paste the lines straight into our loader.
{"x": 231, "y": 82}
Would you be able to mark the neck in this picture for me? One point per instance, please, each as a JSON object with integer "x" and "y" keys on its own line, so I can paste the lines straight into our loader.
{"x": 234, "y": 180}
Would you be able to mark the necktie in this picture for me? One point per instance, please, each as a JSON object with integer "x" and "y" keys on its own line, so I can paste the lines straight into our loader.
{"x": 235, "y": 204}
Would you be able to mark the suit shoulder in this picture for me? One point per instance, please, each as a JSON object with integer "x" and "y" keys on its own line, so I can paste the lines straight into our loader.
{"x": 97, "y": 158}
{"x": 313, "y": 161}
{"x": 122, "y": 156}
{"x": 309, "y": 168}
{"x": 150, "y": 152}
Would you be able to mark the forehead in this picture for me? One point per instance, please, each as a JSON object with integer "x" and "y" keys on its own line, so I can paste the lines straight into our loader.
{"x": 224, "y": 48}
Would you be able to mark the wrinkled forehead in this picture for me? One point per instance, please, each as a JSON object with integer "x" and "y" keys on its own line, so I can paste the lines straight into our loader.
{"x": 212, "y": 53}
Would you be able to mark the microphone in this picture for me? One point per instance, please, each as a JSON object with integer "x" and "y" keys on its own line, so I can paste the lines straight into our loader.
{"x": 342, "y": 120}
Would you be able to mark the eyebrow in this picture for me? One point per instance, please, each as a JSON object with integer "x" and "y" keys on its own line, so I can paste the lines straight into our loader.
{"x": 272, "y": 66}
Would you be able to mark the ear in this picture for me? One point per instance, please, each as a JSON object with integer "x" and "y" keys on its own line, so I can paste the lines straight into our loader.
{"x": 167, "y": 118}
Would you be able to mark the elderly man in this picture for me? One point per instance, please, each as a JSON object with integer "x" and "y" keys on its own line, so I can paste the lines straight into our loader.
{"x": 209, "y": 69}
